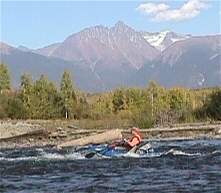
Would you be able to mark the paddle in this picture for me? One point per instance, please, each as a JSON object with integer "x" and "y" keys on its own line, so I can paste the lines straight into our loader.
{"x": 92, "y": 154}
{"x": 112, "y": 146}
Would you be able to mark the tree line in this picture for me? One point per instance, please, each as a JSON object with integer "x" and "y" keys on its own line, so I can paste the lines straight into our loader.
{"x": 153, "y": 105}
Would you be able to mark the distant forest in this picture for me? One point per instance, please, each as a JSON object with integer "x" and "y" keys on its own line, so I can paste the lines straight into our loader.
{"x": 145, "y": 107}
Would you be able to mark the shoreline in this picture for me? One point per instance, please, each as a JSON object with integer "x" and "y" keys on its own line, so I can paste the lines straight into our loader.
{"x": 30, "y": 133}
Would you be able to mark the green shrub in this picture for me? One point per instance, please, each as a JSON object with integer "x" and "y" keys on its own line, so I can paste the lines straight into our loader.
{"x": 142, "y": 117}
{"x": 15, "y": 109}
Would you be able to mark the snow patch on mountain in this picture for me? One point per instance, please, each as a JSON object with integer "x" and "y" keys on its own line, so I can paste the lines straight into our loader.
{"x": 214, "y": 56}
{"x": 155, "y": 40}
{"x": 162, "y": 40}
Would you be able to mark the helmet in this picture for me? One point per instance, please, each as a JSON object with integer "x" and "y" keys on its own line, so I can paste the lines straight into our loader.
{"x": 136, "y": 130}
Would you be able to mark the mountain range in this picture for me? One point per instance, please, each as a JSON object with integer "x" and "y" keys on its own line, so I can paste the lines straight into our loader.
{"x": 102, "y": 58}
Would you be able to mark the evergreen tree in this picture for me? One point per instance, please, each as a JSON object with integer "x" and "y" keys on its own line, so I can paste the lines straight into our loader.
{"x": 119, "y": 100}
{"x": 159, "y": 100}
{"x": 26, "y": 94}
{"x": 45, "y": 99}
{"x": 213, "y": 106}
{"x": 67, "y": 94}
{"x": 15, "y": 108}
{"x": 4, "y": 78}
{"x": 3, "y": 105}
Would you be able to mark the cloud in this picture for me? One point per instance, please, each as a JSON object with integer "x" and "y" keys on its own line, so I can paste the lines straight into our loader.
{"x": 163, "y": 12}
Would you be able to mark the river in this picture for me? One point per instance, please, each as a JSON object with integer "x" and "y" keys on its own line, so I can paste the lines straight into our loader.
{"x": 170, "y": 166}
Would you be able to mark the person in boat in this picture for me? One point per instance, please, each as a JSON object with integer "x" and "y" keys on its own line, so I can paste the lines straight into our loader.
{"x": 133, "y": 141}
{"x": 130, "y": 144}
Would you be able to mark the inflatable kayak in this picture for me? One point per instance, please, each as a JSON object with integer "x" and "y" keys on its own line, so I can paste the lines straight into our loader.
{"x": 118, "y": 151}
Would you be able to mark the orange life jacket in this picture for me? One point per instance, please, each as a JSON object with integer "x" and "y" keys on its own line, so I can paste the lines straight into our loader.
{"x": 138, "y": 137}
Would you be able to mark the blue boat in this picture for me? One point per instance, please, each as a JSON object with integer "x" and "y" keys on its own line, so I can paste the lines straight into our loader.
{"x": 107, "y": 151}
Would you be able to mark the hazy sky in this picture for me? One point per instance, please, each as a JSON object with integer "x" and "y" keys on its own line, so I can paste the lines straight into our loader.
{"x": 38, "y": 23}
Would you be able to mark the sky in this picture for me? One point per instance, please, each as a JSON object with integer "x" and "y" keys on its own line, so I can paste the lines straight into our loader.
{"x": 35, "y": 24}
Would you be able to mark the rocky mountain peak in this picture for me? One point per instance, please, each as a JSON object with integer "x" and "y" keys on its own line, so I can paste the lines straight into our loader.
{"x": 121, "y": 27}
{"x": 103, "y": 58}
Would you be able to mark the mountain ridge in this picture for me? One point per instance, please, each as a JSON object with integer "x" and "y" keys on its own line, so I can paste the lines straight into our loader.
{"x": 103, "y": 58}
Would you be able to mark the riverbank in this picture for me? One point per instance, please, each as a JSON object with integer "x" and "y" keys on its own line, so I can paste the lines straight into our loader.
{"x": 42, "y": 133}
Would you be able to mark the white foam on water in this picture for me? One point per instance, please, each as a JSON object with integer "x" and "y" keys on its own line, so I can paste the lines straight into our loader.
{"x": 57, "y": 156}
{"x": 131, "y": 154}
{"x": 75, "y": 155}
{"x": 146, "y": 151}
{"x": 178, "y": 152}
{"x": 152, "y": 154}
{"x": 216, "y": 151}
{"x": 19, "y": 158}
{"x": 45, "y": 156}
{"x": 52, "y": 156}
{"x": 40, "y": 150}
{"x": 78, "y": 156}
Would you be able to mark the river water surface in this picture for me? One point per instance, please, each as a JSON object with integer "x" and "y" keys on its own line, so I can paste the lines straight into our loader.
{"x": 174, "y": 166}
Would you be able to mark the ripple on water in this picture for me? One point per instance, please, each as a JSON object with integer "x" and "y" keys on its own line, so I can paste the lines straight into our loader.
{"x": 177, "y": 166}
